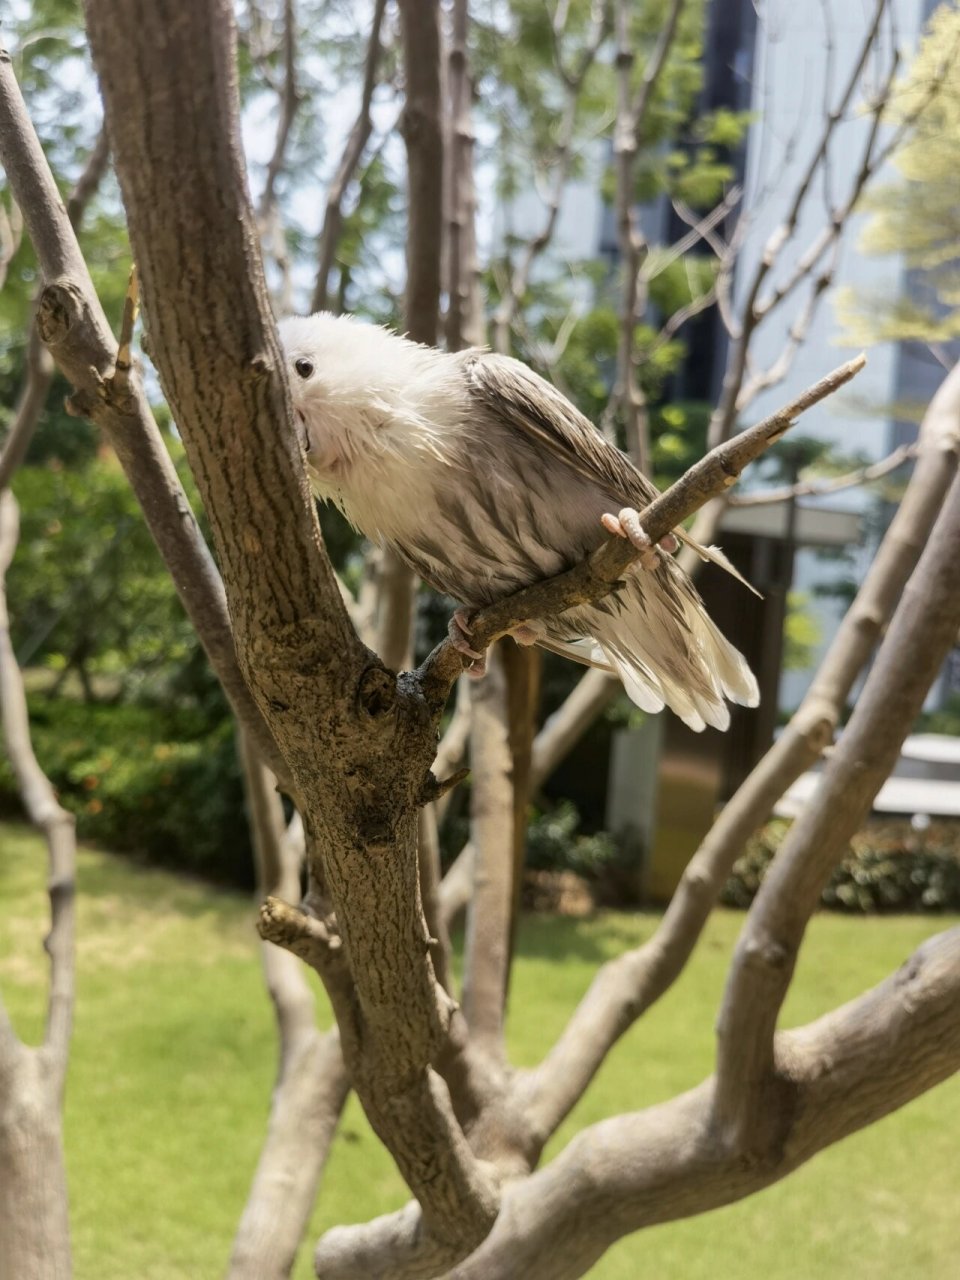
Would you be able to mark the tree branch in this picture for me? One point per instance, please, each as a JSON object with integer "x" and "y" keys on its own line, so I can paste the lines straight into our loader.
{"x": 72, "y": 324}
{"x": 920, "y": 636}
{"x": 818, "y": 487}
{"x": 39, "y": 799}
{"x": 289, "y": 101}
{"x": 519, "y": 278}
{"x": 628, "y": 136}
{"x": 487, "y": 944}
{"x": 312, "y": 1083}
{"x": 272, "y": 231}
{"x": 626, "y": 987}
{"x": 423, "y": 137}
{"x": 723, "y": 419}
{"x": 353, "y": 151}
{"x": 39, "y": 364}
{"x": 839, "y": 1074}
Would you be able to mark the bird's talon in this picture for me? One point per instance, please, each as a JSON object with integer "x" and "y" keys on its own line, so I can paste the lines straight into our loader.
{"x": 458, "y": 631}
{"x": 528, "y": 633}
{"x": 626, "y": 524}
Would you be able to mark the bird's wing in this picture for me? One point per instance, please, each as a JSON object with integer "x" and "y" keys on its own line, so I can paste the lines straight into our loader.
{"x": 528, "y": 403}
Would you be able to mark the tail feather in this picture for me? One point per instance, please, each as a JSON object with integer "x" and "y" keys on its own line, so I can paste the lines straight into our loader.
{"x": 666, "y": 650}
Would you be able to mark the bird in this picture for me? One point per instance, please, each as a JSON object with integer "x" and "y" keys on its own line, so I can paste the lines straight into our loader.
{"x": 484, "y": 478}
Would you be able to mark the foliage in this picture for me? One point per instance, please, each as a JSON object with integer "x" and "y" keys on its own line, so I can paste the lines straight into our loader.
{"x": 945, "y": 720}
{"x": 684, "y": 154}
{"x": 801, "y": 633}
{"x": 88, "y": 590}
{"x": 889, "y": 867}
{"x": 918, "y": 216}
{"x": 145, "y": 780}
{"x": 555, "y": 843}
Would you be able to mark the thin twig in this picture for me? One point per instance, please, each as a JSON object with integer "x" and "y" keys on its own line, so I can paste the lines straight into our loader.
{"x": 353, "y": 151}
{"x": 817, "y": 488}
{"x": 40, "y": 801}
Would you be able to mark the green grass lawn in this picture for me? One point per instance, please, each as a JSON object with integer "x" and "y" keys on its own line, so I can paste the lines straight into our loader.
{"x": 173, "y": 1061}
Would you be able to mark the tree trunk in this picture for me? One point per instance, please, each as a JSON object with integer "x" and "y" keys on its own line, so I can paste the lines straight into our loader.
{"x": 34, "y": 1227}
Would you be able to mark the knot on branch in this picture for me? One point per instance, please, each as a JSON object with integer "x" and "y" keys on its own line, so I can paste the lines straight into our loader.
{"x": 766, "y": 953}
{"x": 261, "y": 366}
{"x": 435, "y": 788}
{"x": 289, "y": 927}
{"x": 417, "y": 125}
{"x": 377, "y": 691}
{"x": 59, "y": 309}
{"x": 377, "y": 836}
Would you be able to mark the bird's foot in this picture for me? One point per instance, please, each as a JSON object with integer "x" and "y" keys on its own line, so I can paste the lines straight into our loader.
{"x": 458, "y": 632}
{"x": 626, "y": 524}
{"x": 528, "y": 633}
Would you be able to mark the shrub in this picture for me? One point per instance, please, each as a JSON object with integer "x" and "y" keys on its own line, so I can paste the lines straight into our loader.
{"x": 146, "y": 780}
{"x": 890, "y": 866}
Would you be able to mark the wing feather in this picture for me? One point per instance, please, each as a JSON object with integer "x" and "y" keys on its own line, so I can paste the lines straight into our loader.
{"x": 523, "y": 400}
{"x": 528, "y": 403}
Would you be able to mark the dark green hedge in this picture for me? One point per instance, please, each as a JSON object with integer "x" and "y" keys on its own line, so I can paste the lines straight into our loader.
{"x": 145, "y": 780}
{"x": 889, "y": 867}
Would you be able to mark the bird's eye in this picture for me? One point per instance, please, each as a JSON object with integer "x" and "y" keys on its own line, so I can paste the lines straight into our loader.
{"x": 303, "y": 366}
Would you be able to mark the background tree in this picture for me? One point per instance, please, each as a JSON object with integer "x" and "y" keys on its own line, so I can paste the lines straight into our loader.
{"x": 917, "y": 215}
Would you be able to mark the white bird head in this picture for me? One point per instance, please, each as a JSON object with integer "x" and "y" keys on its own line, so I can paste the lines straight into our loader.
{"x": 351, "y": 387}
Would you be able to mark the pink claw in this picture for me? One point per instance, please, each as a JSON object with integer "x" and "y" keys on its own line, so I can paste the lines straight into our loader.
{"x": 458, "y": 632}
{"x": 528, "y": 633}
{"x": 626, "y": 524}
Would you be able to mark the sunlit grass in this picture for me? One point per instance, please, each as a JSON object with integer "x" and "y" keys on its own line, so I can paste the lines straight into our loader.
{"x": 173, "y": 1061}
